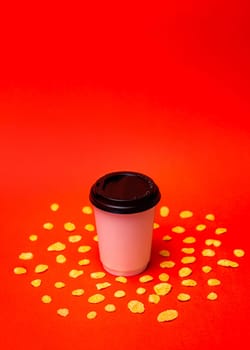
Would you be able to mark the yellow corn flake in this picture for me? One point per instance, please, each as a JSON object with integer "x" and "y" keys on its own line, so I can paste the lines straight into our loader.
{"x": 220, "y": 230}
{"x": 75, "y": 273}
{"x": 189, "y": 240}
{"x": 164, "y": 253}
{"x": 41, "y": 268}
{"x": 63, "y": 312}
{"x": 69, "y": 226}
{"x": 121, "y": 279}
{"x": 96, "y": 298}
{"x": 74, "y": 238}
{"x": 36, "y": 283}
{"x": 154, "y": 298}
{"x": 166, "y": 238}
{"x": 87, "y": 210}
{"x": 208, "y": 252}
{"x": 215, "y": 242}
{"x": 20, "y": 270}
{"x": 56, "y": 247}
{"x": 189, "y": 283}
{"x": 119, "y": 294}
{"x": 164, "y": 211}
{"x": 178, "y": 229}
{"x": 46, "y": 299}
{"x": 206, "y": 268}
{"x": 239, "y": 253}
{"x": 26, "y": 256}
{"x": 188, "y": 259}
{"x": 136, "y": 307}
{"x": 212, "y": 296}
{"x": 186, "y": 214}
{"x": 33, "y": 238}
{"x": 89, "y": 227}
{"x": 84, "y": 249}
{"x": 183, "y": 297}
{"x": 163, "y": 288}
{"x": 163, "y": 277}
{"x": 140, "y": 291}
{"x": 59, "y": 285}
{"x": 167, "y": 264}
{"x": 200, "y": 227}
{"x": 213, "y": 282}
{"x": 95, "y": 238}
{"x": 91, "y": 315}
{"x": 110, "y": 308}
{"x": 156, "y": 225}
{"x": 227, "y": 263}
{"x": 84, "y": 262}
{"x": 54, "y": 206}
{"x": 77, "y": 292}
{"x": 188, "y": 250}
{"x": 184, "y": 272}
{"x": 60, "y": 259}
{"x": 103, "y": 285}
{"x": 146, "y": 278}
{"x": 168, "y": 315}
{"x": 98, "y": 274}
{"x": 48, "y": 226}
{"x": 210, "y": 217}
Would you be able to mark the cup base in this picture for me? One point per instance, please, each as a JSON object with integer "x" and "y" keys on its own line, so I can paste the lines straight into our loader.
{"x": 125, "y": 273}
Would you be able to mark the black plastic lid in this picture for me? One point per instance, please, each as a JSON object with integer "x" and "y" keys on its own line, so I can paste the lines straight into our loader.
{"x": 124, "y": 192}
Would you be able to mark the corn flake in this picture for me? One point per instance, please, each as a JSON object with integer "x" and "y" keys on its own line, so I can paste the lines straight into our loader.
{"x": 48, "y": 226}
{"x": 87, "y": 210}
{"x": 145, "y": 278}
{"x": 227, "y": 263}
{"x": 84, "y": 262}
{"x": 110, "y": 308}
{"x": 183, "y": 297}
{"x": 208, "y": 252}
{"x": 136, "y": 307}
{"x": 156, "y": 225}
{"x": 163, "y": 288}
{"x": 96, "y": 298}
{"x": 140, "y": 291}
{"x": 69, "y": 226}
{"x": 41, "y": 268}
{"x": 212, "y": 296}
{"x": 184, "y": 272}
{"x": 166, "y": 238}
{"x": 154, "y": 298}
{"x": 186, "y": 214}
{"x": 188, "y": 250}
{"x": 74, "y": 238}
{"x": 200, "y": 227}
{"x": 60, "y": 259}
{"x": 189, "y": 240}
{"x": 97, "y": 275}
{"x": 26, "y": 256}
{"x": 168, "y": 315}
{"x": 119, "y": 294}
{"x": 215, "y": 242}
{"x": 121, "y": 279}
{"x": 54, "y": 206}
{"x": 167, "y": 264}
{"x": 210, "y": 217}
{"x": 46, "y": 299}
{"x": 164, "y": 253}
{"x": 206, "y": 268}
{"x": 84, "y": 249}
{"x": 77, "y": 292}
{"x": 189, "y": 283}
{"x": 213, "y": 282}
{"x": 188, "y": 259}
{"x": 59, "y": 285}
{"x": 91, "y": 315}
{"x": 33, "y": 238}
{"x": 164, "y": 211}
{"x": 103, "y": 285}
{"x": 36, "y": 283}
{"x": 63, "y": 312}
{"x": 178, "y": 229}
{"x": 239, "y": 253}
{"x": 220, "y": 230}
{"x": 89, "y": 227}
{"x": 75, "y": 273}
{"x": 163, "y": 277}
{"x": 56, "y": 247}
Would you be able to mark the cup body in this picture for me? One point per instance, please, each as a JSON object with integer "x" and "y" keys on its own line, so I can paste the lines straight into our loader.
{"x": 124, "y": 240}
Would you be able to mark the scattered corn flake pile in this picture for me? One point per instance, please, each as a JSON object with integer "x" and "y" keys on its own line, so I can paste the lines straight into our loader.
{"x": 156, "y": 288}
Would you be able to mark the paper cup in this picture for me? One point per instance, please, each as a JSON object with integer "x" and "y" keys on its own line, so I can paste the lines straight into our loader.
{"x": 124, "y": 207}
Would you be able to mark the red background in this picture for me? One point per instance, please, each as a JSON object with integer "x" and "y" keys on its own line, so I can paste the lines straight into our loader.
{"x": 161, "y": 89}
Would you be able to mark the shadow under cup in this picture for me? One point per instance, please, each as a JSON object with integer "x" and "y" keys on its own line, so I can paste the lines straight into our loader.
{"x": 124, "y": 207}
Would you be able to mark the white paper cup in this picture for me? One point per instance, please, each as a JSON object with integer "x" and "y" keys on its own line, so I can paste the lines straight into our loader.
{"x": 124, "y": 208}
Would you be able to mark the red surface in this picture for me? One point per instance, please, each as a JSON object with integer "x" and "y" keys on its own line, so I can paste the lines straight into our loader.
{"x": 162, "y": 90}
